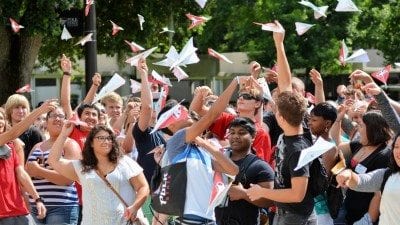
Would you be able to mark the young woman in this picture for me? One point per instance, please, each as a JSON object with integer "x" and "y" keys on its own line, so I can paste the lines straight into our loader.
{"x": 58, "y": 192}
{"x": 102, "y": 157}
{"x": 373, "y": 181}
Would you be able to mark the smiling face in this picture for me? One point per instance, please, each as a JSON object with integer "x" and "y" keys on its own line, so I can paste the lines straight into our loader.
{"x": 247, "y": 103}
{"x": 240, "y": 139}
{"x": 113, "y": 109}
{"x": 102, "y": 143}
{"x": 90, "y": 116}
{"x": 55, "y": 121}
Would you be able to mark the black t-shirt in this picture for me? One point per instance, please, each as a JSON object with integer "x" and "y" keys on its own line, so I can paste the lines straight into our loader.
{"x": 145, "y": 142}
{"x": 241, "y": 211}
{"x": 30, "y": 137}
{"x": 357, "y": 203}
{"x": 287, "y": 157}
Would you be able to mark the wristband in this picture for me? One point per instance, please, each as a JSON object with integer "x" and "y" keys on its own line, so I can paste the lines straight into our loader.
{"x": 39, "y": 200}
{"x": 66, "y": 73}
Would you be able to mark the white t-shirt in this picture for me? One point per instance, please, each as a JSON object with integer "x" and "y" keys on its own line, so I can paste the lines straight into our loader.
{"x": 101, "y": 206}
{"x": 390, "y": 202}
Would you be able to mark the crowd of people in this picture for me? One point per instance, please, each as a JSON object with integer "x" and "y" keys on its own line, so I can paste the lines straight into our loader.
{"x": 95, "y": 164}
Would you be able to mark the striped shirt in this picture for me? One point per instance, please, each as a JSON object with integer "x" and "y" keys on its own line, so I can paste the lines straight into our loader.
{"x": 52, "y": 194}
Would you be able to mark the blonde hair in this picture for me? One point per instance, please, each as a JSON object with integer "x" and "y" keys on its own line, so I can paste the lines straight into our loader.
{"x": 13, "y": 101}
{"x": 112, "y": 97}
{"x": 6, "y": 125}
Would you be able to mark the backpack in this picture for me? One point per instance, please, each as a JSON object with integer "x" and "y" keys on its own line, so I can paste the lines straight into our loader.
{"x": 386, "y": 176}
{"x": 319, "y": 180}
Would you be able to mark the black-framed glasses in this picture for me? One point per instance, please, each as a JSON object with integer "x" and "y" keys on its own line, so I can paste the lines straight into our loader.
{"x": 104, "y": 138}
{"x": 55, "y": 116}
{"x": 247, "y": 96}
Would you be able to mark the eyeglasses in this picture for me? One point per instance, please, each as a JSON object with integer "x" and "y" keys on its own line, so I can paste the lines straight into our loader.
{"x": 59, "y": 116}
{"x": 104, "y": 138}
{"x": 247, "y": 96}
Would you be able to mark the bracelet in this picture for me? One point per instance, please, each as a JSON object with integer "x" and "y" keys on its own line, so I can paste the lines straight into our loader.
{"x": 66, "y": 73}
{"x": 338, "y": 121}
{"x": 39, "y": 200}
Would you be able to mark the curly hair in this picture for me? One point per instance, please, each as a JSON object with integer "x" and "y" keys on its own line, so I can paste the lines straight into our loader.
{"x": 292, "y": 107}
{"x": 89, "y": 160}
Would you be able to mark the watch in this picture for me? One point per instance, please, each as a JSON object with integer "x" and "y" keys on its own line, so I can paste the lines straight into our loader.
{"x": 39, "y": 200}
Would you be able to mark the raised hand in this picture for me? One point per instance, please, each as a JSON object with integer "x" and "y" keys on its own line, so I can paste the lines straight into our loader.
{"x": 316, "y": 78}
{"x": 360, "y": 75}
{"x": 279, "y": 36}
{"x": 271, "y": 76}
{"x": 142, "y": 67}
{"x": 96, "y": 79}
{"x": 255, "y": 69}
{"x": 372, "y": 89}
{"x": 66, "y": 64}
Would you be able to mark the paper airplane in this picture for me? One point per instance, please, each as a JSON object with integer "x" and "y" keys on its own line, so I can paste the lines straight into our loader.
{"x": 135, "y": 86}
{"x": 85, "y": 39}
{"x": 196, "y": 20}
{"x": 301, "y": 28}
{"x": 186, "y": 56}
{"x": 318, "y": 11}
{"x": 270, "y": 27}
{"x": 397, "y": 64}
{"x": 264, "y": 85}
{"x": 162, "y": 99}
{"x": 134, "y": 47}
{"x": 309, "y": 154}
{"x": 113, "y": 84}
{"x": 219, "y": 192}
{"x": 346, "y": 6}
{"x": 135, "y": 59}
{"x": 141, "y": 21}
{"x": 24, "y": 89}
{"x": 217, "y": 55}
{"x": 309, "y": 109}
{"x": 201, "y": 3}
{"x": 383, "y": 74}
{"x": 179, "y": 73}
{"x": 89, "y": 3}
{"x": 165, "y": 29}
{"x": 176, "y": 113}
{"x": 359, "y": 56}
{"x": 158, "y": 79}
{"x": 65, "y": 35}
{"x": 115, "y": 28}
{"x": 15, "y": 26}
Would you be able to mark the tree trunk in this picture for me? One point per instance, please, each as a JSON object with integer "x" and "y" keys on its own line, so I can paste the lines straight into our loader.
{"x": 18, "y": 53}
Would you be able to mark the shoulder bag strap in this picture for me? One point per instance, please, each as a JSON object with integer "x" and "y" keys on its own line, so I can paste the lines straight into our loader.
{"x": 111, "y": 187}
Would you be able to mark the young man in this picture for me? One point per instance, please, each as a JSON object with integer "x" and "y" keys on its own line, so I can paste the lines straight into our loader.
{"x": 239, "y": 209}
{"x": 113, "y": 105}
{"x": 291, "y": 193}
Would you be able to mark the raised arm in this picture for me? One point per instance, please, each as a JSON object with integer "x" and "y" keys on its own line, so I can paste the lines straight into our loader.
{"x": 146, "y": 97}
{"x": 319, "y": 86}
{"x": 16, "y": 130}
{"x": 218, "y": 107}
{"x": 197, "y": 104}
{"x": 59, "y": 164}
{"x": 96, "y": 81}
{"x": 65, "y": 97}
{"x": 283, "y": 68}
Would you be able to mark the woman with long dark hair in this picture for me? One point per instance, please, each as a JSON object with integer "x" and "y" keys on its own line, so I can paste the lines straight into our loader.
{"x": 103, "y": 162}
{"x": 385, "y": 180}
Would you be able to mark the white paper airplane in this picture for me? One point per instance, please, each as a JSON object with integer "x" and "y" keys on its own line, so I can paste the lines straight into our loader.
{"x": 359, "y": 56}
{"x": 301, "y": 28}
{"x": 397, "y": 64}
{"x": 217, "y": 55}
{"x": 135, "y": 86}
{"x": 186, "y": 56}
{"x": 264, "y": 85}
{"x": 319, "y": 11}
{"x": 135, "y": 59}
{"x": 141, "y": 21}
{"x": 309, "y": 154}
{"x": 270, "y": 27}
{"x": 113, "y": 84}
{"x": 134, "y": 47}
{"x": 65, "y": 35}
{"x": 85, "y": 39}
{"x": 115, "y": 28}
{"x": 165, "y": 29}
{"x": 346, "y": 6}
{"x": 201, "y": 3}
{"x": 176, "y": 113}
{"x": 15, "y": 26}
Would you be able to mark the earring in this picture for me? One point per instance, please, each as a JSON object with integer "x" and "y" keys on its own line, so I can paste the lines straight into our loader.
{"x": 326, "y": 129}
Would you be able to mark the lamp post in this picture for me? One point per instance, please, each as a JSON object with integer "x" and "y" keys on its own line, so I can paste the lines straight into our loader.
{"x": 90, "y": 47}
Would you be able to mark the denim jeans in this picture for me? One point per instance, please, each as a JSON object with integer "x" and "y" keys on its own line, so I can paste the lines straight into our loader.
{"x": 58, "y": 215}
{"x": 288, "y": 218}
{"x": 18, "y": 220}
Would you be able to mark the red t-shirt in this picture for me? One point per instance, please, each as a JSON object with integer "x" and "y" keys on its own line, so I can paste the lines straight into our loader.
{"x": 79, "y": 136}
{"x": 11, "y": 202}
{"x": 262, "y": 141}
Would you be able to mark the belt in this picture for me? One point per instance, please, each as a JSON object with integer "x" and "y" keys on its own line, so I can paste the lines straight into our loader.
{"x": 181, "y": 221}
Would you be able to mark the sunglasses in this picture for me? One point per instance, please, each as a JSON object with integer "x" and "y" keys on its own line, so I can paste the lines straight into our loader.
{"x": 247, "y": 96}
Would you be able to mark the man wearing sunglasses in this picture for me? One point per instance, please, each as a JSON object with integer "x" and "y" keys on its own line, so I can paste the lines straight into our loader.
{"x": 249, "y": 104}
